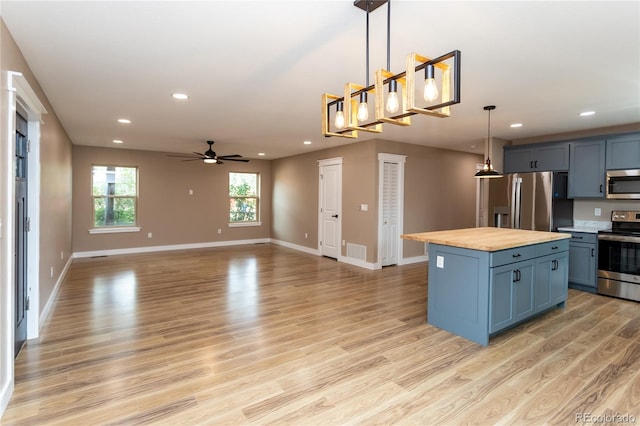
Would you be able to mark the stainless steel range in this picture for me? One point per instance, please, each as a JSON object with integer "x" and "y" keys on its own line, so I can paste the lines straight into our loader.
{"x": 619, "y": 256}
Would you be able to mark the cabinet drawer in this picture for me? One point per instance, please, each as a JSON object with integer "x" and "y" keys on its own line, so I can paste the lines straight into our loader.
{"x": 552, "y": 247}
{"x": 518, "y": 254}
{"x": 584, "y": 237}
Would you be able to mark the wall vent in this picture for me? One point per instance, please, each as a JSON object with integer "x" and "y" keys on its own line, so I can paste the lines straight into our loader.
{"x": 357, "y": 251}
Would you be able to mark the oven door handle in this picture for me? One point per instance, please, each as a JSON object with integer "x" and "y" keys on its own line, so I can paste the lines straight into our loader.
{"x": 622, "y": 238}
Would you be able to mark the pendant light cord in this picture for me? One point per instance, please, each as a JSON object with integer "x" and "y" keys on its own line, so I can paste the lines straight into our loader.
{"x": 388, "y": 35}
{"x": 367, "y": 58}
{"x": 489, "y": 128}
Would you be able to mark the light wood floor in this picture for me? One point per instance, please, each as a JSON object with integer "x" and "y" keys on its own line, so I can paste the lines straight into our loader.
{"x": 263, "y": 334}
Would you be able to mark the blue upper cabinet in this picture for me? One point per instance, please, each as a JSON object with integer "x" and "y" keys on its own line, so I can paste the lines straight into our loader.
{"x": 586, "y": 169}
{"x": 623, "y": 152}
{"x": 553, "y": 157}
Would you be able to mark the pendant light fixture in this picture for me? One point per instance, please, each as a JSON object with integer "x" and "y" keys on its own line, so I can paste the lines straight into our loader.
{"x": 488, "y": 171}
{"x": 345, "y": 115}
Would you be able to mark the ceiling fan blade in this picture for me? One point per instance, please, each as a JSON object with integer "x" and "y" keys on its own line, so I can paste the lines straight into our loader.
{"x": 230, "y": 156}
{"x": 218, "y": 161}
{"x": 234, "y": 159}
{"x": 183, "y": 156}
{"x": 191, "y": 159}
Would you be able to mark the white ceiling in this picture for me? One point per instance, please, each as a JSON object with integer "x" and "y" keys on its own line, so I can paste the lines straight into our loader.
{"x": 255, "y": 71}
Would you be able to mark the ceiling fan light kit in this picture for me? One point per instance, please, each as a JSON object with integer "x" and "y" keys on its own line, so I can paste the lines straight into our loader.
{"x": 210, "y": 156}
{"x": 344, "y": 116}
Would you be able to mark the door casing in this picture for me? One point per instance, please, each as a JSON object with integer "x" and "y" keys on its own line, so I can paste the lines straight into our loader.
{"x": 322, "y": 166}
{"x": 400, "y": 160}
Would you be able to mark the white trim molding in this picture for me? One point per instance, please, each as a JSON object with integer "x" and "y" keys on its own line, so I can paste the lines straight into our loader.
{"x": 18, "y": 91}
{"x": 150, "y": 249}
{"x": 297, "y": 247}
{"x": 243, "y": 224}
{"x": 336, "y": 161}
{"x": 115, "y": 230}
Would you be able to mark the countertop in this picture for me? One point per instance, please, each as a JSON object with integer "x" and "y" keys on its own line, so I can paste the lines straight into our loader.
{"x": 588, "y": 230}
{"x": 486, "y": 238}
{"x": 591, "y": 227}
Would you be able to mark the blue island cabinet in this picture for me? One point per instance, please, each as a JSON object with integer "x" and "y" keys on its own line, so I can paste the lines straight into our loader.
{"x": 477, "y": 294}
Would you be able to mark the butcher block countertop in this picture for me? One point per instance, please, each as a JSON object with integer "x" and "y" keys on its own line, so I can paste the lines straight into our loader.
{"x": 487, "y": 238}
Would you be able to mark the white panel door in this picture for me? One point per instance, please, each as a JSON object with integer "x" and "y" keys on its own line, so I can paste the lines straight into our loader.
{"x": 330, "y": 206}
{"x": 390, "y": 213}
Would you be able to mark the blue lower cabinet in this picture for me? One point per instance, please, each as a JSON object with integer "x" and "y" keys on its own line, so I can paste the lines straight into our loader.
{"x": 552, "y": 274}
{"x": 476, "y": 294}
{"x": 511, "y": 294}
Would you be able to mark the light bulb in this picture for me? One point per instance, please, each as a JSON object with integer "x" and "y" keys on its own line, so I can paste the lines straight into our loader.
{"x": 430, "y": 87}
{"x": 392, "y": 99}
{"x": 339, "y": 121}
{"x": 363, "y": 108}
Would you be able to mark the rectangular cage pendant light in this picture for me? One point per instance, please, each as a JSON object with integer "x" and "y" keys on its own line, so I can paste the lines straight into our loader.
{"x": 396, "y": 97}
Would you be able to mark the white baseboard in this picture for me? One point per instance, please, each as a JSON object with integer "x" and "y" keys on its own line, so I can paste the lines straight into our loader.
{"x": 357, "y": 262}
{"x": 7, "y": 391}
{"x": 416, "y": 259}
{"x": 296, "y": 247}
{"x": 150, "y": 249}
{"x": 52, "y": 298}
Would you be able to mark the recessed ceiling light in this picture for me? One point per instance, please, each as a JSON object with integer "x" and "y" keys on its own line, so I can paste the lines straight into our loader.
{"x": 514, "y": 125}
{"x": 124, "y": 121}
{"x": 587, "y": 113}
{"x": 307, "y": 142}
{"x": 180, "y": 96}
{"x": 261, "y": 154}
{"x": 117, "y": 141}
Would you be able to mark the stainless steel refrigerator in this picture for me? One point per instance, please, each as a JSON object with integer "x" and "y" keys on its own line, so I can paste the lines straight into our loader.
{"x": 536, "y": 201}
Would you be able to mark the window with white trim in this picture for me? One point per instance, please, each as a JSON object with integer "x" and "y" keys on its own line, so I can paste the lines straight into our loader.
{"x": 244, "y": 198}
{"x": 114, "y": 196}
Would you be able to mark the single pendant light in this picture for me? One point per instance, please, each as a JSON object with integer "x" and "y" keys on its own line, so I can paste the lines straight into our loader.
{"x": 488, "y": 171}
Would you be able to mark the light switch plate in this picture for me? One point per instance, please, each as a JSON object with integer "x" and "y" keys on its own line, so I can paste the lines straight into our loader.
{"x": 440, "y": 261}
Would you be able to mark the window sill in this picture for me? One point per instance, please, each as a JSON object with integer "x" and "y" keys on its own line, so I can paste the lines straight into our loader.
{"x": 241, "y": 224}
{"x": 115, "y": 230}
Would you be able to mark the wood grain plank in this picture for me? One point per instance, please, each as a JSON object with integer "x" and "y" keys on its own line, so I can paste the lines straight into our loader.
{"x": 264, "y": 334}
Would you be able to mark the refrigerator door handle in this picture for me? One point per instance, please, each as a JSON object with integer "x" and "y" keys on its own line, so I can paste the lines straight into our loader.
{"x": 516, "y": 202}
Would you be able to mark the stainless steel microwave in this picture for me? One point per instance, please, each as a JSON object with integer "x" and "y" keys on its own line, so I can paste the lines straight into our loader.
{"x": 623, "y": 184}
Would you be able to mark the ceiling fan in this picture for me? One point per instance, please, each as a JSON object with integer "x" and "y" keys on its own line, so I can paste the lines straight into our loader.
{"x": 210, "y": 156}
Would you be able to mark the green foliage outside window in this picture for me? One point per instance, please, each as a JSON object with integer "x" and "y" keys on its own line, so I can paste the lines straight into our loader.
{"x": 114, "y": 195}
{"x": 243, "y": 197}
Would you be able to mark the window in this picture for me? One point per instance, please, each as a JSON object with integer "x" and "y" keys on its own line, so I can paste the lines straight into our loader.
{"x": 115, "y": 196}
{"x": 243, "y": 198}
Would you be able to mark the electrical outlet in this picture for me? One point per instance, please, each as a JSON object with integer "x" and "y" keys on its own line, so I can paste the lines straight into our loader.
{"x": 306, "y": 235}
{"x": 191, "y": 192}
{"x": 344, "y": 243}
{"x": 150, "y": 235}
{"x": 61, "y": 254}
{"x": 597, "y": 211}
{"x": 219, "y": 230}
{"x": 52, "y": 272}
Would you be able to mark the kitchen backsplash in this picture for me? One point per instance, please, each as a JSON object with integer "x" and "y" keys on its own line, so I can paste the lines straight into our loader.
{"x": 585, "y": 210}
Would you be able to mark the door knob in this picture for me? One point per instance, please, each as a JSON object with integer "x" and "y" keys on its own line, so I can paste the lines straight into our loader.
{"x": 334, "y": 215}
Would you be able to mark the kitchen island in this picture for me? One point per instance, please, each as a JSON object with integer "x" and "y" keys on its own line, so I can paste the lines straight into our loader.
{"x": 483, "y": 281}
